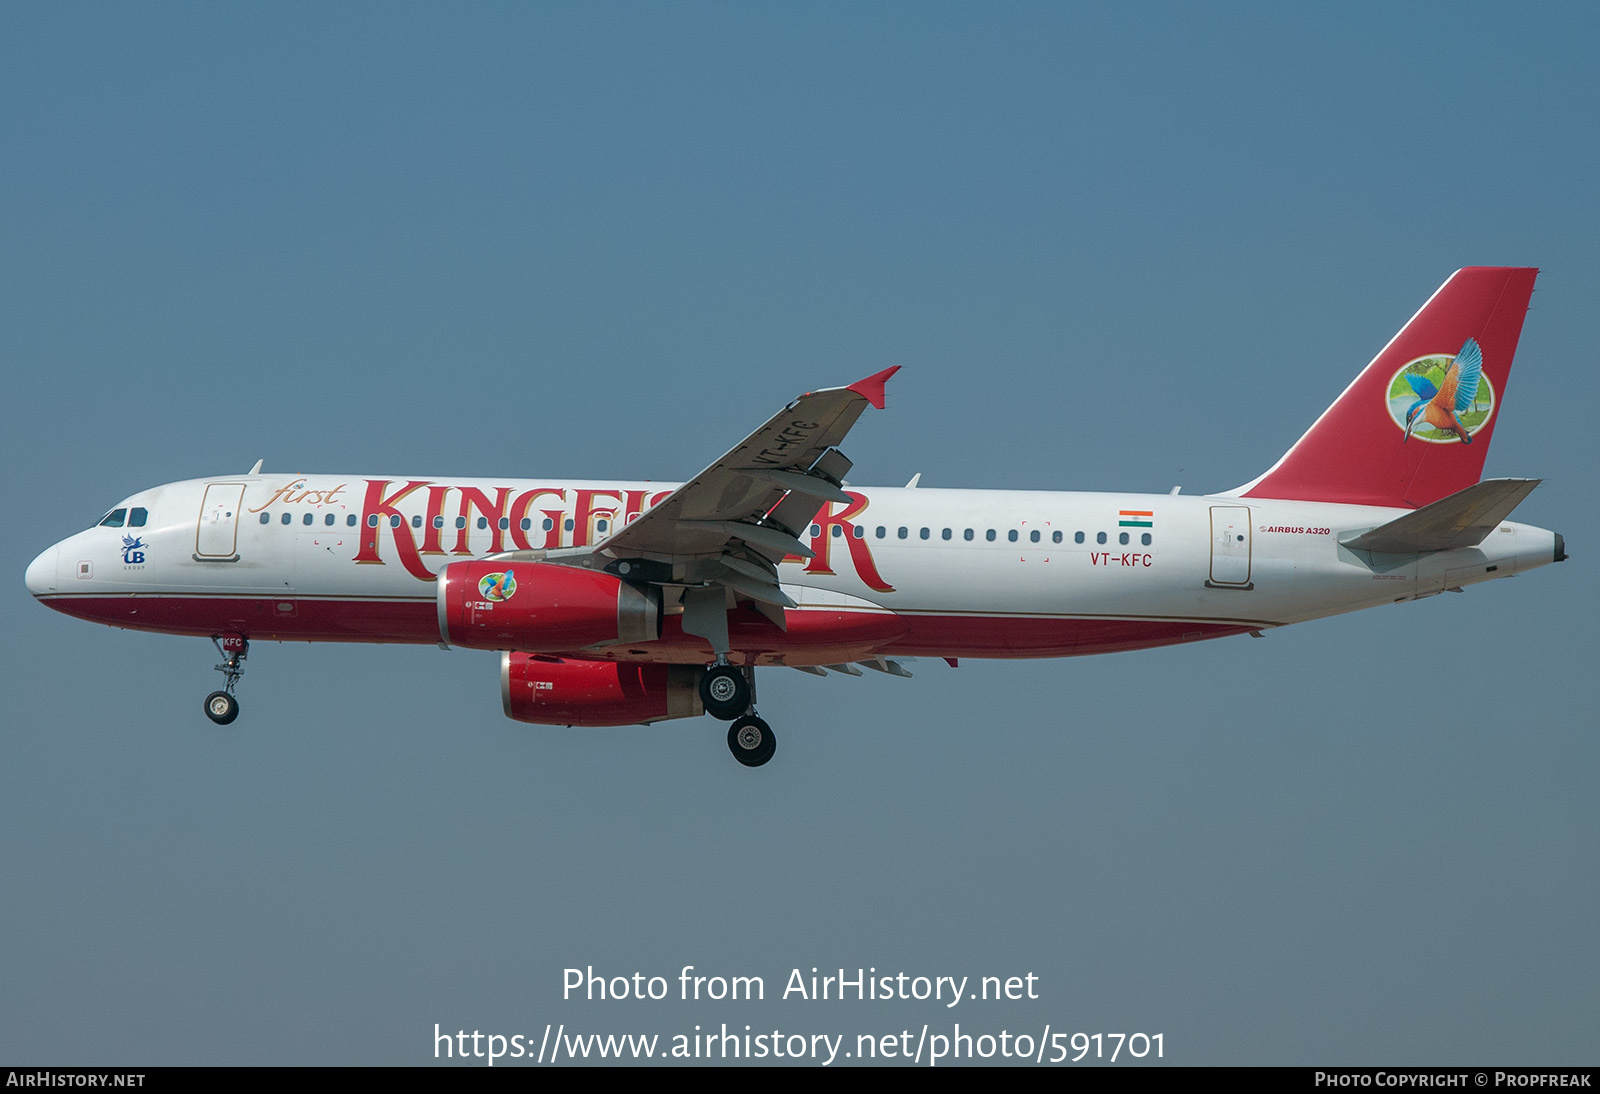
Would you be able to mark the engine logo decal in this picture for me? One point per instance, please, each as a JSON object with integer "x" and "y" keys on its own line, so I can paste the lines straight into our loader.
{"x": 497, "y": 587}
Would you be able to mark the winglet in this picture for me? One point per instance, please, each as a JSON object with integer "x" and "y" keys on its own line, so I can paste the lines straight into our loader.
{"x": 871, "y": 389}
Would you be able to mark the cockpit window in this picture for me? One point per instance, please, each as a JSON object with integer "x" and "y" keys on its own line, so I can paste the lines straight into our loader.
{"x": 137, "y": 517}
{"x": 114, "y": 519}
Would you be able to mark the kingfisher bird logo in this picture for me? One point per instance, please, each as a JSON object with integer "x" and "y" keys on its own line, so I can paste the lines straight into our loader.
{"x": 1442, "y": 399}
{"x": 132, "y": 550}
{"x": 497, "y": 587}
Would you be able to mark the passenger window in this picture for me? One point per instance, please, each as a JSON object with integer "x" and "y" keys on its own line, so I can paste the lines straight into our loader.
{"x": 114, "y": 518}
{"x": 136, "y": 518}
{"x": 372, "y": 520}
{"x": 882, "y": 531}
{"x": 838, "y": 531}
{"x": 924, "y": 533}
{"x": 483, "y": 522}
{"x": 600, "y": 526}
{"x": 1055, "y": 537}
{"x": 287, "y": 518}
{"x": 394, "y": 521}
{"x": 505, "y": 523}
{"x": 1033, "y": 536}
{"x": 1012, "y": 535}
{"x": 989, "y": 535}
{"x": 945, "y": 534}
{"x": 904, "y": 531}
{"x": 461, "y": 522}
{"x": 816, "y": 530}
{"x": 548, "y": 524}
{"x": 328, "y": 520}
{"x": 526, "y": 524}
{"x": 266, "y": 518}
{"x": 438, "y": 522}
{"x": 416, "y": 522}
{"x": 567, "y": 524}
{"x": 307, "y": 519}
{"x": 857, "y": 531}
{"x": 1123, "y": 539}
{"x": 1100, "y": 537}
{"x": 1145, "y": 539}
{"x": 1077, "y": 537}
{"x": 967, "y": 535}
{"x": 350, "y": 519}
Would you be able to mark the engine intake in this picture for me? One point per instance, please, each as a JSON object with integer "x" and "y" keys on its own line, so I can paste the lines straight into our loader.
{"x": 541, "y": 607}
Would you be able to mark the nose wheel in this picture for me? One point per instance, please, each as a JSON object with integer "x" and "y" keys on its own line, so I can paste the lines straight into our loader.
{"x": 221, "y": 707}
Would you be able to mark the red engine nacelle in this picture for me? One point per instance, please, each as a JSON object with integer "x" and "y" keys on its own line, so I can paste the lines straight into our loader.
{"x": 558, "y": 692}
{"x": 541, "y": 607}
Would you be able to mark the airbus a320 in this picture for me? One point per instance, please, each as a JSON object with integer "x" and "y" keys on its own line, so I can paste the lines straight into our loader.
{"x": 618, "y": 603}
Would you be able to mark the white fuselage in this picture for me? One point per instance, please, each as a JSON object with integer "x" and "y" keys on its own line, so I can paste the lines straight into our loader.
{"x": 962, "y": 572}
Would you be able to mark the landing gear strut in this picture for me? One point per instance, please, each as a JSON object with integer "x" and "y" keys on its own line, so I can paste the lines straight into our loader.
{"x": 221, "y": 706}
{"x": 729, "y": 693}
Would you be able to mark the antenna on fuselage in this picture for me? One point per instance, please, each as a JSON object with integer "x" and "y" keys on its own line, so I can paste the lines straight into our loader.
{"x": 256, "y": 470}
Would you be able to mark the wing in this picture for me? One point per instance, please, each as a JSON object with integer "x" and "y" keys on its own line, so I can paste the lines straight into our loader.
{"x": 1470, "y": 362}
{"x": 744, "y": 510}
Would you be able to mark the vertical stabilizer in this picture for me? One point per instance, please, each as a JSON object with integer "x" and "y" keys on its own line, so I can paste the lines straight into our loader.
{"x": 1415, "y": 426}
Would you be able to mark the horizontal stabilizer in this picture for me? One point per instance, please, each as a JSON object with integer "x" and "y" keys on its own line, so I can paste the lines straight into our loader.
{"x": 1464, "y": 519}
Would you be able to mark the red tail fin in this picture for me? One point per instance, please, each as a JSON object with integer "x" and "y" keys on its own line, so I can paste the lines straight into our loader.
{"x": 1415, "y": 426}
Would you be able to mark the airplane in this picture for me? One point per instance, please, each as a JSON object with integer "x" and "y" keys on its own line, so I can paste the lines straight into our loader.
{"x": 619, "y": 603}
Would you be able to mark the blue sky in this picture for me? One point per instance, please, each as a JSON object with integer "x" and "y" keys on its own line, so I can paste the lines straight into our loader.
{"x": 1112, "y": 249}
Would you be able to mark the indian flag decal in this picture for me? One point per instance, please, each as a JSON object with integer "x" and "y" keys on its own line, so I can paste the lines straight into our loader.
{"x": 1136, "y": 518}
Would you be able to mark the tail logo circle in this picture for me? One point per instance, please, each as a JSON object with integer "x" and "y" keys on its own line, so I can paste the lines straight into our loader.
{"x": 1442, "y": 398}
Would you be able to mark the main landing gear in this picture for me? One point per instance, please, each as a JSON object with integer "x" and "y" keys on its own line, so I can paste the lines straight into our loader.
{"x": 725, "y": 691}
{"x": 751, "y": 741}
{"x": 221, "y": 706}
{"x": 729, "y": 694}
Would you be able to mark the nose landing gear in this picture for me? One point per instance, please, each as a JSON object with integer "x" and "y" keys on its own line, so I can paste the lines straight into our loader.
{"x": 221, "y": 707}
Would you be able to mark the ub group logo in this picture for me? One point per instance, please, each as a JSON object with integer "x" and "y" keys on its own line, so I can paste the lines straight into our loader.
{"x": 497, "y": 587}
{"x": 1442, "y": 399}
{"x": 132, "y": 550}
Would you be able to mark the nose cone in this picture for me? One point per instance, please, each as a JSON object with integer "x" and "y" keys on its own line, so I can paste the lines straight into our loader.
{"x": 42, "y": 573}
